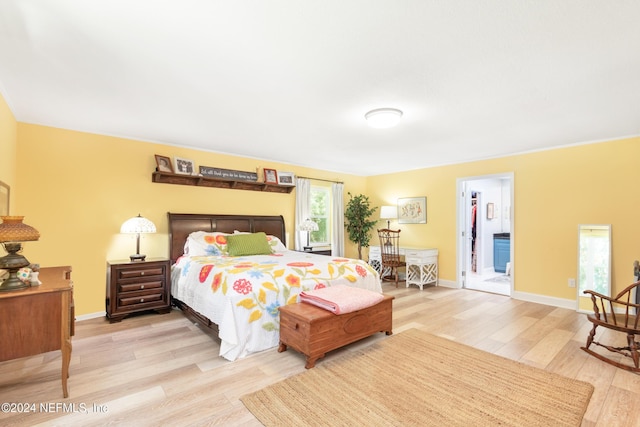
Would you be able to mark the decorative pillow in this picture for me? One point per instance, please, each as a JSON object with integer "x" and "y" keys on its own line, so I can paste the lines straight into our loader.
{"x": 248, "y": 244}
{"x": 275, "y": 243}
{"x": 202, "y": 243}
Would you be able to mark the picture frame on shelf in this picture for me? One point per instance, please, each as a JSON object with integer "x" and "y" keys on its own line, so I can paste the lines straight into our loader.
{"x": 163, "y": 164}
{"x": 184, "y": 166}
{"x": 412, "y": 210}
{"x": 270, "y": 176}
{"x": 286, "y": 178}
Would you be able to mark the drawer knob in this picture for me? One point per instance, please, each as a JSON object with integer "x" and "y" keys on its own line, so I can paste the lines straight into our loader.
{"x": 141, "y": 286}
{"x": 142, "y": 273}
{"x": 141, "y": 299}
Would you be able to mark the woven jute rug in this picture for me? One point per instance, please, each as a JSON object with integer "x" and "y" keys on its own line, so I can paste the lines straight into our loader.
{"x": 415, "y": 378}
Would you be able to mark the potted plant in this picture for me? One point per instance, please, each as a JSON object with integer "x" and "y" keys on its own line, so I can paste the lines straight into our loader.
{"x": 357, "y": 220}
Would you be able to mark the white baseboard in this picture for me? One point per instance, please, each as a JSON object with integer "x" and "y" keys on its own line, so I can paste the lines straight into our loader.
{"x": 525, "y": 296}
{"x": 543, "y": 299}
{"x": 448, "y": 284}
{"x": 91, "y": 316}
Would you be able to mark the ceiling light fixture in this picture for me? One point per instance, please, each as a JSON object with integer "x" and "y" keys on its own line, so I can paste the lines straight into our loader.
{"x": 382, "y": 118}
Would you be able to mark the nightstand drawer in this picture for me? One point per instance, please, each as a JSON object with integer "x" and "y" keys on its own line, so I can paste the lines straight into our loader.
{"x": 125, "y": 300}
{"x": 135, "y": 273}
{"x": 139, "y": 285}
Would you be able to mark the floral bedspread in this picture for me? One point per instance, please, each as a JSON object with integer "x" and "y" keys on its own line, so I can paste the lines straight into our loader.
{"x": 242, "y": 294}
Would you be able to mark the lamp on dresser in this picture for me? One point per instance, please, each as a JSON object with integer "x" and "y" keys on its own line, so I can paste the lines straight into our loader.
{"x": 12, "y": 233}
{"x": 308, "y": 226}
{"x": 138, "y": 225}
{"x": 388, "y": 213}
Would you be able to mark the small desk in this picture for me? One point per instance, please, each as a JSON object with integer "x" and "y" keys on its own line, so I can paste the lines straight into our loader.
{"x": 422, "y": 264}
{"x": 39, "y": 319}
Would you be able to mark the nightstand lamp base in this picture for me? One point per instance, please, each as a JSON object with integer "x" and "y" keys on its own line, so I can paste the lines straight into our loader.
{"x": 137, "y": 257}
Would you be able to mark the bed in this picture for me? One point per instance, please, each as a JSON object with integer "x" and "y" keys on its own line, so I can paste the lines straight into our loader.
{"x": 238, "y": 296}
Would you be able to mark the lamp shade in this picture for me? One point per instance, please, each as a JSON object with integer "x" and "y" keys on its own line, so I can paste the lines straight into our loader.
{"x": 308, "y": 225}
{"x": 382, "y": 118}
{"x": 12, "y": 232}
{"x": 13, "y": 229}
{"x": 388, "y": 212}
{"x": 138, "y": 224}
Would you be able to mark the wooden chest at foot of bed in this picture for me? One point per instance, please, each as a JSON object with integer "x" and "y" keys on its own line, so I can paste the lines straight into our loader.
{"x": 314, "y": 331}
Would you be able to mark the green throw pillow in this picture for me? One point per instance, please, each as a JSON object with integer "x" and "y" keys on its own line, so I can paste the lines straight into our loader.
{"x": 248, "y": 244}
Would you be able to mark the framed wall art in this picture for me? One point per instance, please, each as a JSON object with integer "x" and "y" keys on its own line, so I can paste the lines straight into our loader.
{"x": 184, "y": 166}
{"x": 164, "y": 164}
{"x": 4, "y": 198}
{"x": 270, "y": 176}
{"x": 412, "y": 210}
{"x": 286, "y": 178}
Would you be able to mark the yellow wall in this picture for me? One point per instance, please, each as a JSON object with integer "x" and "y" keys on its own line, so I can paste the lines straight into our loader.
{"x": 8, "y": 141}
{"x": 554, "y": 191}
{"x": 77, "y": 189}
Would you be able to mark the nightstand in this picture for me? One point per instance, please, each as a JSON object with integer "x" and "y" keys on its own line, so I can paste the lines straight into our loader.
{"x": 134, "y": 287}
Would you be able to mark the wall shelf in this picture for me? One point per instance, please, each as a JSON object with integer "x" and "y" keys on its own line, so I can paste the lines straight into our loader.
{"x": 201, "y": 181}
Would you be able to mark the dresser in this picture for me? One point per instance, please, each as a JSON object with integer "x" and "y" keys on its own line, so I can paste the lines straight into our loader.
{"x": 39, "y": 319}
{"x": 137, "y": 286}
{"x": 422, "y": 264}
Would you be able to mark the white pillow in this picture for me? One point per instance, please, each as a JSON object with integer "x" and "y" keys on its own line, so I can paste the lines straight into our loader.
{"x": 202, "y": 243}
{"x": 276, "y": 244}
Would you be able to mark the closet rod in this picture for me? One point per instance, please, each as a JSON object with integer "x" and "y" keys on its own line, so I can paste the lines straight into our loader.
{"x": 320, "y": 179}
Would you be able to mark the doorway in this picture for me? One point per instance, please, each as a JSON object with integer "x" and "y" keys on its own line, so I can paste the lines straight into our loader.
{"x": 485, "y": 230}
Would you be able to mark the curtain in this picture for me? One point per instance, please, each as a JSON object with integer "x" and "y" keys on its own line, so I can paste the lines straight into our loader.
{"x": 337, "y": 237}
{"x": 303, "y": 192}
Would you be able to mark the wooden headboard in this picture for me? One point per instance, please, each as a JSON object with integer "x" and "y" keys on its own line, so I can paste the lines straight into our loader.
{"x": 181, "y": 225}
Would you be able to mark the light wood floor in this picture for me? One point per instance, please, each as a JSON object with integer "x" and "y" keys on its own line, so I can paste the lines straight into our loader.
{"x": 162, "y": 370}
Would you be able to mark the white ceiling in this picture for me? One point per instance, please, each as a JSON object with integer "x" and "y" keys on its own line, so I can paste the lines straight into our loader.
{"x": 291, "y": 80}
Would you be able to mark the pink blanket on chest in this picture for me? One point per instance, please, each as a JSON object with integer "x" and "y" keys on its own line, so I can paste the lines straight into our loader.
{"x": 341, "y": 299}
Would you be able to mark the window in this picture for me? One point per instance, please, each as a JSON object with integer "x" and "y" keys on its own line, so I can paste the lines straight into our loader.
{"x": 320, "y": 199}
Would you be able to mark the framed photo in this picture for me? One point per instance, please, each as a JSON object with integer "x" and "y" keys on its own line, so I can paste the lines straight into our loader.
{"x": 490, "y": 211}
{"x": 412, "y": 210}
{"x": 270, "y": 176}
{"x": 164, "y": 164}
{"x": 4, "y": 198}
{"x": 184, "y": 166}
{"x": 286, "y": 178}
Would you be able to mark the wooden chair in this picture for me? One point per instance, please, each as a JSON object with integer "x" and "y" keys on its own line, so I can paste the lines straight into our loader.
{"x": 618, "y": 314}
{"x": 390, "y": 253}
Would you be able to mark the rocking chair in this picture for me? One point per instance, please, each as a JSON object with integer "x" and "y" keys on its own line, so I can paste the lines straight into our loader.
{"x": 618, "y": 314}
{"x": 390, "y": 253}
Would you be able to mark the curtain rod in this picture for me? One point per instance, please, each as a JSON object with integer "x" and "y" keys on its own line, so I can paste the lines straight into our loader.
{"x": 319, "y": 179}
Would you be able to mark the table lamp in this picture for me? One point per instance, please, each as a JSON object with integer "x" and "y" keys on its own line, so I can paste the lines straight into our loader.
{"x": 138, "y": 225}
{"x": 308, "y": 226}
{"x": 12, "y": 233}
{"x": 388, "y": 213}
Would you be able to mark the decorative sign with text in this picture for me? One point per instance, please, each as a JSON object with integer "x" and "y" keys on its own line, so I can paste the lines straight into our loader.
{"x": 228, "y": 174}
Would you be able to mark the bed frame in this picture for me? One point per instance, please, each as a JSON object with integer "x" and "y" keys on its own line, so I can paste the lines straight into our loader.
{"x": 181, "y": 225}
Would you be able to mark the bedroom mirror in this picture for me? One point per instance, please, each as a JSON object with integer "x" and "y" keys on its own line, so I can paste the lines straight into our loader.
{"x": 594, "y": 262}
